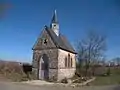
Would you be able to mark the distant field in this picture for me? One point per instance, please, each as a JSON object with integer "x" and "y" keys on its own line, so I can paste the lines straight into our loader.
{"x": 108, "y": 80}
{"x": 114, "y": 78}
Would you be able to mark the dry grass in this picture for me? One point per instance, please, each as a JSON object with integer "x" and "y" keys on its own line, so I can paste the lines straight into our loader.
{"x": 12, "y": 71}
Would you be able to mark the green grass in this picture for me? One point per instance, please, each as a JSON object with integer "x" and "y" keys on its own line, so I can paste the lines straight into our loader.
{"x": 106, "y": 80}
{"x": 113, "y": 79}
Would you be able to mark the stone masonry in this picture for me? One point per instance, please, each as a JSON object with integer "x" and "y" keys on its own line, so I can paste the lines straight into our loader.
{"x": 50, "y": 53}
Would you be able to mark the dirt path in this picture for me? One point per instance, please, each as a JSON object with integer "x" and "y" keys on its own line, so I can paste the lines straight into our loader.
{"x": 19, "y": 86}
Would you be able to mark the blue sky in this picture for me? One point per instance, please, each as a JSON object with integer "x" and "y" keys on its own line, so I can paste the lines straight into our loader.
{"x": 23, "y": 22}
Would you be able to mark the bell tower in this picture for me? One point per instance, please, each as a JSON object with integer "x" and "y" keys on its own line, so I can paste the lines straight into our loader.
{"x": 54, "y": 23}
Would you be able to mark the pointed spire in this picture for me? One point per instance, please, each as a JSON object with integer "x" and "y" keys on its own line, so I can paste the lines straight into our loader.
{"x": 54, "y": 18}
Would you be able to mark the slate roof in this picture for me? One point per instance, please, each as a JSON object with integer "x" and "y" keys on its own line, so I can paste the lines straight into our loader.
{"x": 60, "y": 41}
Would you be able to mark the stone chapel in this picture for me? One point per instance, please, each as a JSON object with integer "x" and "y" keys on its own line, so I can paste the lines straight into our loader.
{"x": 54, "y": 58}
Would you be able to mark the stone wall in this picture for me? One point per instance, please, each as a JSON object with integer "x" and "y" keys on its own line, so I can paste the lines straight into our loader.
{"x": 62, "y": 70}
{"x": 56, "y": 58}
{"x": 53, "y": 62}
{"x": 53, "y": 74}
{"x": 35, "y": 73}
{"x": 68, "y": 73}
{"x": 39, "y": 45}
{"x": 49, "y": 49}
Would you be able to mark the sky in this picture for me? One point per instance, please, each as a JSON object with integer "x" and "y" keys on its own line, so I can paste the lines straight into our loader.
{"x": 23, "y": 21}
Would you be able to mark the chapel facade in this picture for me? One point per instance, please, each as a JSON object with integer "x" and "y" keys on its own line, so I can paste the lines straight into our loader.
{"x": 54, "y": 58}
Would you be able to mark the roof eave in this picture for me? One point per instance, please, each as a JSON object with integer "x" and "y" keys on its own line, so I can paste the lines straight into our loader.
{"x": 67, "y": 50}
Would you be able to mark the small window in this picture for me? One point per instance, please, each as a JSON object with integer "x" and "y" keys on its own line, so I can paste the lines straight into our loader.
{"x": 54, "y": 25}
{"x": 45, "y": 41}
{"x": 66, "y": 61}
{"x": 71, "y": 62}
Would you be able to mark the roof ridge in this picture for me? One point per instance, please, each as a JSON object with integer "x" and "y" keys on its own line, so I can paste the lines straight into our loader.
{"x": 59, "y": 42}
{"x": 48, "y": 30}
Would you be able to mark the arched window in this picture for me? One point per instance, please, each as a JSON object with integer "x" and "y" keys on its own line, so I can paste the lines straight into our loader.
{"x": 68, "y": 60}
{"x": 71, "y": 62}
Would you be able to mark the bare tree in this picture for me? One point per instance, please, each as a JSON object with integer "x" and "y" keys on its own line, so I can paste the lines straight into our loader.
{"x": 80, "y": 56}
{"x": 91, "y": 49}
{"x": 116, "y": 61}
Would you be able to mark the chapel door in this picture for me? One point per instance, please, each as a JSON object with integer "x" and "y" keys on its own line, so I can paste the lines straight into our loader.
{"x": 44, "y": 67}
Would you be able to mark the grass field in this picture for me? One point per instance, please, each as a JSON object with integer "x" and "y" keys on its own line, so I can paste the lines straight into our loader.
{"x": 108, "y": 80}
{"x": 113, "y": 79}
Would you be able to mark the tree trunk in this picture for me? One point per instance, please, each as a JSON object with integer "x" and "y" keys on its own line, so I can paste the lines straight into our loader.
{"x": 93, "y": 71}
{"x": 86, "y": 71}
